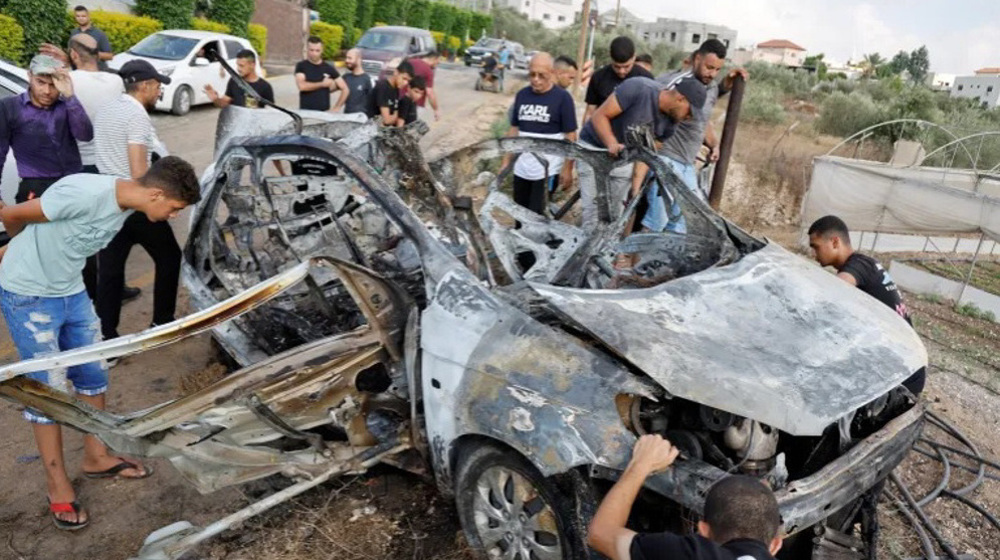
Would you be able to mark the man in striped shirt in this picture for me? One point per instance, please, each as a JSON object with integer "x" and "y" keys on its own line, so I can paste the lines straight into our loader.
{"x": 124, "y": 139}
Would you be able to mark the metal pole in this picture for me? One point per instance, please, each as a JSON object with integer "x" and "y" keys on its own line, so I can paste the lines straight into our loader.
{"x": 618, "y": 14}
{"x": 972, "y": 267}
{"x": 593, "y": 31}
{"x": 726, "y": 145}
{"x": 584, "y": 20}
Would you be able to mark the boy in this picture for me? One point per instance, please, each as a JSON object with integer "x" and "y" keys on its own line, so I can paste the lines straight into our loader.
{"x": 410, "y": 100}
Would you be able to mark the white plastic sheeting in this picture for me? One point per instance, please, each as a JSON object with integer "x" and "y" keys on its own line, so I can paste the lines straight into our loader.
{"x": 873, "y": 196}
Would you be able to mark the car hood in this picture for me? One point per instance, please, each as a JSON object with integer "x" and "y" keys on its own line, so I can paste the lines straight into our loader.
{"x": 478, "y": 50}
{"x": 120, "y": 59}
{"x": 771, "y": 337}
{"x": 380, "y": 55}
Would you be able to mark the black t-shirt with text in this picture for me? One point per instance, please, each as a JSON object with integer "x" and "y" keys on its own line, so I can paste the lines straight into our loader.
{"x": 668, "y": 546}
{"x": 239, "y": 97}
{"x": 875, "y": 281}
{"x": 407, "y": 109}
{"x": 384, "y": 95}
{"x": 319, "y": 99}
{"x": 360, "y": 86}
{"x": 604, "y": 82}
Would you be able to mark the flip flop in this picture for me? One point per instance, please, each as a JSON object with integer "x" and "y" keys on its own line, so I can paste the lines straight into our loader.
{"x": 113, "y": 471}
{"x": 67, "y": 507}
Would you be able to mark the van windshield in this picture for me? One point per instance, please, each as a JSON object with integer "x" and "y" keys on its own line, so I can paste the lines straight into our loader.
{"x": 382, "y": 41}
{"x": 486, "y": 43}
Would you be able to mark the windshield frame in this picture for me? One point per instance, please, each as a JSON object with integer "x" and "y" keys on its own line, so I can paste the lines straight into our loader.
{"x": 402, "y": 39}
{"x": 158, "y": 38}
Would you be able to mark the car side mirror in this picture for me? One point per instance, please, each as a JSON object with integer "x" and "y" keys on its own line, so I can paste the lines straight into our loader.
{"x": 200, "y": 61}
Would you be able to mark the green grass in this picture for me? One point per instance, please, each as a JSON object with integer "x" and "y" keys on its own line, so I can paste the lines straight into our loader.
{"x": 985, "y": 276}
{"x": 969, "y": 309}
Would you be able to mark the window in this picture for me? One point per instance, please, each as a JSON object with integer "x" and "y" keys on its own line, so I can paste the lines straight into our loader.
{"x": 989, "y": 89}
{"x": 232, "y": 48}
{"x": 960, "y": 87}
{"x": 562, "y": 18}
{"x": 713, "y": 36}
{"x": 645, "y": 35}
{"x": 546, "y": 16}
{"x": 673, "y": 36}
{"x": 695, "y": 38}
{"x": 726, "y": 41}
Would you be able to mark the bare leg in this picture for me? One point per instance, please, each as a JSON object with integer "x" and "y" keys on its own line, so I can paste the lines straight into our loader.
{"x": 95, "y": 453}
{"x": 48, "y": 437}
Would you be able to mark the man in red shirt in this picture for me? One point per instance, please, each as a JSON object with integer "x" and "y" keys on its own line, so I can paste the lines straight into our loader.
{"x": 424, "y": 67}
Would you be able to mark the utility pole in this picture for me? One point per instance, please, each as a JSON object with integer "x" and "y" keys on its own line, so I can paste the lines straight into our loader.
{"x": 618, "y": 14}
{"x": 584, "y": 23}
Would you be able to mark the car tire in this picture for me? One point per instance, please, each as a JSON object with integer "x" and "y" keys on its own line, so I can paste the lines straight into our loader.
{"x": 491, "y": 484}
{"x": 183, "y": 99}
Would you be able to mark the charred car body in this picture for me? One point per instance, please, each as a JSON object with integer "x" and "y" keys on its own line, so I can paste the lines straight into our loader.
{"x": 398, "y": 324}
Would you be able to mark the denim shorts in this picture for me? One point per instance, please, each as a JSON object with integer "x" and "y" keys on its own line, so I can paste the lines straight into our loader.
{"x": 658, "y": 218}
{"x": 41, "y": 326}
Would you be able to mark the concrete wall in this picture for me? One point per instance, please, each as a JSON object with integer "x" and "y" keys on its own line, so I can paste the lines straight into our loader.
{"x": 984, "y": 89}
{"x": 920, "y": 281}
{"x": 553, "y": 14}
{"x": 287, "y": 23}
{"x": 684, "y": 35}
{"x": 782, "y": 57}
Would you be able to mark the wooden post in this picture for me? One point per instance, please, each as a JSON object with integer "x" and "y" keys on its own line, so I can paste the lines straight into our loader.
{"x": 726, "y": 144}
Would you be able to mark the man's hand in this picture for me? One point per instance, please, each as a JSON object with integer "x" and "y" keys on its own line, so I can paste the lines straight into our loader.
{"x": 615, "y": 149}
{"x": 53, "y": 51}
{"x": 652, "y": 454}
{"x": 713, "y": 154}
{"x": 727, "y": 82}
{"x": 211, "y": 93}
{"x": 329, "y": 83}
{"x": 437, "y": 114}
{"x": 566, "y": 178}
{"x": 63, "y": 83}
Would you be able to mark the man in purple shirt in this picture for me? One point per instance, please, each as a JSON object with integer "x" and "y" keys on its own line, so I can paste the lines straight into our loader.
{"x": 42, "y": 126}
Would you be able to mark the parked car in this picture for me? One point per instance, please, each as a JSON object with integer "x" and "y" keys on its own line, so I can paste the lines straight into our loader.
{"x": 381, "y": 45}
{"x": 13, "y": 81}
{"x": 188, "y": 57}
{"x": 475, "y": 54}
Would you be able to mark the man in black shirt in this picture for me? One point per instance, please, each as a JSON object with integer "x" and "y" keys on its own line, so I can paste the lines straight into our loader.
{"x": 830, "y": 240}
{"x": 384, "y": 101}
{"x": 358, "y": 82}
{"x": 410, "y": 100}
{"x": 741, "y": 519}
{"x": 316, "y": 79}
{"x": 605, "y": 80}
{"x": 246, "y": 67}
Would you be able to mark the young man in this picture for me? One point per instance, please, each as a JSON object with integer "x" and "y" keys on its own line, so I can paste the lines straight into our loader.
{"x": 681, "y": 149}
{"x": 830, "y": 241}
{"x": 423, "y": 67}
{"x": 49, "y": 105}
{"x": 46, "y": 309}
{"x": 92, "y": 87}
{"x": 408, "y": 103}
{"x": 645, "y": 61}
{"x": 541, "y": 110}
{"x": 384, "y": 101}
{"x": 358, "y": 83}
{"x": 105, "y": 53}
{"x": 316, "y": 79}
{"x": 124, "y": 139}
{"x": 605, "y": 80}
{"x": 565, "y": 71}
{"x": 246, "y": 67}
{"x": 740, "y": 522}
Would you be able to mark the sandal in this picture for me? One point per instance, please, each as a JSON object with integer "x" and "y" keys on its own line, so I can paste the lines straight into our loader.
{"x": 67, "y": 507}
{"x": 113, "y": 471}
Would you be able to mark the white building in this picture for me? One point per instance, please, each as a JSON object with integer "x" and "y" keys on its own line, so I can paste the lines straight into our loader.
{"x": 984, "y": 87}
{"x": 780, "y": 52}
{"x": 553, "y": 14}
{"x": 940, "y": 82}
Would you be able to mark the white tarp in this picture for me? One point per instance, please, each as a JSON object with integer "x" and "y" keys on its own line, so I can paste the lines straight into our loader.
{"x": 873, "y": 196}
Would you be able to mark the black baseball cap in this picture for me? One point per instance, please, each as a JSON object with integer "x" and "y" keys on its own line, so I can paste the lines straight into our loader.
{"x": 139, "y": 70}
{"x": 694, "y": 91}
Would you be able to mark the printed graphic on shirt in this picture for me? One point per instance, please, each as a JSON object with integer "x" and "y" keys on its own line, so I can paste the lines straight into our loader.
{"x": 534, "y": 113}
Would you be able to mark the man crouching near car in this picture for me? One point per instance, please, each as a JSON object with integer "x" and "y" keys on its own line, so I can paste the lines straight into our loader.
{"x": 741, "y": 520}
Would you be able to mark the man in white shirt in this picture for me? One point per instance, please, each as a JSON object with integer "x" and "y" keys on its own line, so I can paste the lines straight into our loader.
{"x": 93, "y": 88}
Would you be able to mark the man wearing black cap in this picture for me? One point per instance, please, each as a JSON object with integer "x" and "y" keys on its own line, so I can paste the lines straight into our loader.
{"x": 644, "y": 102}
{"x": 124, "y": 138}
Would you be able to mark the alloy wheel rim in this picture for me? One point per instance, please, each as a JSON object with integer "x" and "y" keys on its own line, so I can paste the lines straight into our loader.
{"x": 512, "y": 519}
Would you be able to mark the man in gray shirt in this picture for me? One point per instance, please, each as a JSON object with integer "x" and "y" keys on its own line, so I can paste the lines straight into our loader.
{"x": 681, "y": 149}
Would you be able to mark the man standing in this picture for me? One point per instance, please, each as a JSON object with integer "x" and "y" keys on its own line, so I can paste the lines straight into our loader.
{"x": 565, "y": 71}
{"x": 541, "y": 110}
{"x": 43, "y": 126}
{"x": 605, "y": 80}
{"x": 93, "y": 88}
{"x": 104, "y": 51}
{"x": 358, "y": 83}
{"x": 316, "y": 79}
{"x": 246, "y": 67}
{"x": 830, "y": 241}
{"x": 47, "y": 311}
{"x": 124, "y": 140}
{"x": 681, "y": 150}
{"x": 423, "y": 67}
{"x": 384, "y": 101}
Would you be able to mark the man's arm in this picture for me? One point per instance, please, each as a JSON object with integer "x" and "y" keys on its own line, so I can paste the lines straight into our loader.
{"x": 848, "y": 277}
{"x": 607, "y": 533}
{"x": 432, "y": 98}
{"x": 602, "y": 124}
{"x": 6, "y": 131}
{"x": 217, "y": 100}
{"x": 712, "y": 141}
{"x": 105, "y": 52}
{"x": 16, "y": 217}
{"x": 344, "y": 93}
{"x": 512, "y": 132}
{"x": 566, "y": 175}
{"x": 137, "y": 160}
{"x": 727, "y": 82}
{"x": 79, "y": 122}
{"x": 303, "y": 85}
{"x": 588, "y": 112}
{"x": 388, "y": 117}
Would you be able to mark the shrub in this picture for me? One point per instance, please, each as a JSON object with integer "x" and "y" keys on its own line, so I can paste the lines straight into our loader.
{"x": 11, "y": 39}
{"x": 439, "y": 39}
{"x": 175, "y": 14}
{"x": 442, "y": 17}
{"x": 460, "y": 23}
{"x": 454, "y": 44}
{"x": 234, "y": 13}
{"x": 479, "y": 25}
{"x": 257, "y": 35}
{"x": 332, "y": 36}
{"x": 392, "y": 12}
{"x": 418, "y": 14}
{"x": 202, "y": 24}
{"x": 337, "y": 12}
{"x": 364, "y": 14}
{"x": 123, "y": 30}
{"x": 843, "y": 115}
{"x": 356, "y": 34}
{"x": 761, "y": 105}
{"x": 42, "y": 21}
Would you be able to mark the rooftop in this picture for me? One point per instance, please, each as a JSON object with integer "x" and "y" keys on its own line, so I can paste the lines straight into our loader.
{"x": 989, "y": 70}
{"x": 779, "y": 44}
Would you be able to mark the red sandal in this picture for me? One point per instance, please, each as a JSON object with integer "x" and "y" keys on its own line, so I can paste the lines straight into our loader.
{"x": 67, "y": 507}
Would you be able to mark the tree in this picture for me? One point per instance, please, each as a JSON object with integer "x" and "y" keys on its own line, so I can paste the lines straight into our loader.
{"x": 899, "y": 62}
{"x": 870, "y": 64}
{"x": 43, "y": 21}
{"x": 920, "y": 64}
{"x": 234, "y": 13}
{"x": 364, "y": 14}
{"x": 176, "y": 14}
{"x": 338, "y": 12}
{"x": 418, "y": 14}
{"x": 816, "y": 62}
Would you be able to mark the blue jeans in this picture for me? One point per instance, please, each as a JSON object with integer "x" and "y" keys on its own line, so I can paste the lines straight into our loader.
{"x": 657, "y": 217}
{"x": 42, "y": 326}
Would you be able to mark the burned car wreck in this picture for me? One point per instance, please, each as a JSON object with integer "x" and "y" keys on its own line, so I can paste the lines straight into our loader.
{"x": 386, "y": 316}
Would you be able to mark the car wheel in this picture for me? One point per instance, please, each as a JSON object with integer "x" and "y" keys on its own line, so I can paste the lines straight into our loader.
{"x": 182, "y": 101}
{"x": 509, "y": 510}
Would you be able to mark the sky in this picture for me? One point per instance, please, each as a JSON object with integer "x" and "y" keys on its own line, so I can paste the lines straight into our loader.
{"x": 961, "y": 35}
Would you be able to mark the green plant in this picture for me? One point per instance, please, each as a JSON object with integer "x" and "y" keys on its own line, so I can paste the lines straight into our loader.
{"x": 439, "y": 39}
{"x": 43, "y": 21}
{"x": 761, "y": 105}
{"x": 337, "y": 12}
{"x": 202, "y": 24}
{"x": 391, "y": 12}
{"x": 843, "y": 115}
{"x": 356, "y": 34}
{"x": 931, "y": 298}
{"x": 123, "y": 30}
{"x": 460, "y": 23}
{"x": 480, "y": 24}
{"x": 418, "y": 14}
{"x": 331, "y": 35}
{"x": 970, "y": 309}
{"x": 499, "y": 127}
{"x": 175, "y": 14}
{"x": 11, "y": 39}
{"x": 442, "y": 17}
{"x": 364, "y": 14}
{"x": 257, "y": 35}
{"x": 234, "y": 13}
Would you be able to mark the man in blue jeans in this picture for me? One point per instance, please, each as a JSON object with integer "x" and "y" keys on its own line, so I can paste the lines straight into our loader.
{"x": 47, "y": 310}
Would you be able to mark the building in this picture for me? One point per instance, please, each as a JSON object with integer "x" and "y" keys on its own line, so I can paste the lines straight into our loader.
{"x": 683, "y": 35}
{"x": 940, "y": 82}
{"x": 781, "y": 52}
{"x": 553, "y": 14}
{"x": 984, "y": 87}
{"x": 626, "y": 20}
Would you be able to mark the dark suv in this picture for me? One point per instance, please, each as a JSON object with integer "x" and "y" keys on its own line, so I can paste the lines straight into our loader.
{"x": 381, "y": 45}
{"x": 475, "y": 54}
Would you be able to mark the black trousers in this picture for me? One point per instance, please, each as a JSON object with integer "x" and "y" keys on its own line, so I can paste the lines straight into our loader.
{"x": 157, "y": 238}
{"x": 531, "y": 193}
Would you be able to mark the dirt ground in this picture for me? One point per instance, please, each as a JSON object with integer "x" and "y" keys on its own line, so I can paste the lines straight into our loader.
{"x": 390, "y": 514}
